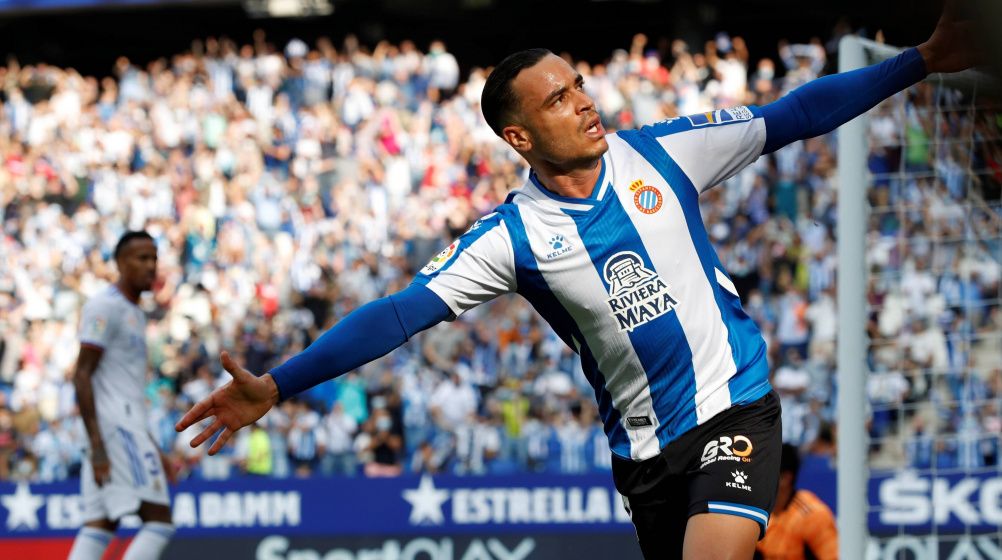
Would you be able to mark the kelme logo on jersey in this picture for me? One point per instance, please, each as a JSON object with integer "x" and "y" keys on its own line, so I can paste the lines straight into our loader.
{"x": 646, "y": 198}
{"x": 439, "y": 260}
{"x": 559, "y": 247}
{"x": 638, "y": 294}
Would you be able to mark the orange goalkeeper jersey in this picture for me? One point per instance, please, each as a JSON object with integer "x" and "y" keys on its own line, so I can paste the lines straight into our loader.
{"x": 804, "y": 530}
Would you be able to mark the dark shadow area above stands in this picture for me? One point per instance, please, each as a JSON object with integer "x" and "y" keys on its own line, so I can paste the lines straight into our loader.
{"x": 479, "y": 32}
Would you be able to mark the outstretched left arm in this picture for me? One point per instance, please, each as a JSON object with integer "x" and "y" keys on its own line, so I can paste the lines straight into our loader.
{"x": 821, "y": 106}
{"x": 825, "y": 104}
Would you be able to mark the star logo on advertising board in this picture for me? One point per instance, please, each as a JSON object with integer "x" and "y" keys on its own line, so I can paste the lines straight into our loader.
{"x": 22, "y": 508}
{"x": 426, "y": 503}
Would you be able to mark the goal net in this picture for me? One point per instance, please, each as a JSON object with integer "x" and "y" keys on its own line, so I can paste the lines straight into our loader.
{"x": 920, "y": 326}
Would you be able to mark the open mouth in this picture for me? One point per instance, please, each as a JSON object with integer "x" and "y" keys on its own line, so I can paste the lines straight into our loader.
{"x": 593, "y": 128}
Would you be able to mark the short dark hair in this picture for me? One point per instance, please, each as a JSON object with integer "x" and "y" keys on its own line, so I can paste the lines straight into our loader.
{"x": 790, "y": 460}
{"x": 129, "y": 236}
{"x": 498, "y": 100}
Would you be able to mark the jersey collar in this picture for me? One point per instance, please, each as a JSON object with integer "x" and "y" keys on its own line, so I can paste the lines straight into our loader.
{"x": 535, "y": 190}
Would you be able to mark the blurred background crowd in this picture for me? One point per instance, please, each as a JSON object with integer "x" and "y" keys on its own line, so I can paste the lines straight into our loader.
{"x": 287, "y": 184}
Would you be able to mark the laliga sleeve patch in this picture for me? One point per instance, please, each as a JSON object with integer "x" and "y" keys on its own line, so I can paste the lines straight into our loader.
{"x": 721, "y": 116}
{"x": 94, "y": 330}
{"x": 441, "y": 259}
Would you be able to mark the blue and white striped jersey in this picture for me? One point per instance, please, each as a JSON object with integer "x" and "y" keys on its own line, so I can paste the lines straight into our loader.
{"x": 628, "y": 278}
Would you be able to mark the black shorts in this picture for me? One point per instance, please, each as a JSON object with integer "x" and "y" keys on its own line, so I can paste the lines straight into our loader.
{"x": 728, "y": 465}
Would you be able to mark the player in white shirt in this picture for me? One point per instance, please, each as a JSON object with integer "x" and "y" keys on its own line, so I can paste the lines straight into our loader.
{"x": 125, "y": 473}
{"x": 605, "y": 239}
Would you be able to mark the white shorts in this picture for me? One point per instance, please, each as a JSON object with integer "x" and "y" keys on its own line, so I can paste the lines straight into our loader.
{"x": 136, "y": 476}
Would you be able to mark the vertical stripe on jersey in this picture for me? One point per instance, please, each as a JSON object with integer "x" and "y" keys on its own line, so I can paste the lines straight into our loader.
{"x": 752, "y": 380}
{"x": 657, "y": 343}
{"x": 715, "y": 359}
{"x": 534, "y": 287}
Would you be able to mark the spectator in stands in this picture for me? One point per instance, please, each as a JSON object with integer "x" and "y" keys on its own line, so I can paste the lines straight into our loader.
{"x": 305, "y": 444}
{"x": 254, "y": 452}
{"x": 380, "y": 448}
{"x": 339, "y": 429}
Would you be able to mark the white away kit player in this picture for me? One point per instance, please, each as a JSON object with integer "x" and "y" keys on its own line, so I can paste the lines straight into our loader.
{"x": 124, "y": 472}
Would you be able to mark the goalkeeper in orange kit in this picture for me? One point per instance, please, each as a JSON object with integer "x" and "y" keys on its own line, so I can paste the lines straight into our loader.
{"x": 802, "y": 526}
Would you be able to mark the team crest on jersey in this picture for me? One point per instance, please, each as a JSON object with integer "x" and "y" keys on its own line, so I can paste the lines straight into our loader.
{"x": 637, "y": 294}
{"x": 647, "y": 198}
{"x": 559, "y": 247}
{"x": 439, "y": 260}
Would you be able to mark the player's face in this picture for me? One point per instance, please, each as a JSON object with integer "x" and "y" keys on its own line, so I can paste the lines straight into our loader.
{"x": 138, "y": 264}
{"x": 559, "y": 119}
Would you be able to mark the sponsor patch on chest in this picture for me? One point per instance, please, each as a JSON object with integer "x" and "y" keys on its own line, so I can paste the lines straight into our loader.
{"x": 637, "y": 295}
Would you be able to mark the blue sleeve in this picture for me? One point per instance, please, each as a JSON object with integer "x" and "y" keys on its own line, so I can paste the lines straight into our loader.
{"x": 821, "y": 106}
{"x": 367, "y": 333}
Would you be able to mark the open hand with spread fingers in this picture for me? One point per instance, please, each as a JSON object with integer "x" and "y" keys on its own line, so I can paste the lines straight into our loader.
{"x": 238, "y": 403}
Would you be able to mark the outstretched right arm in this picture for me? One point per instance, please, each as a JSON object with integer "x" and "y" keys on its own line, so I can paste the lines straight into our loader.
{"x": 365, "y": 334}
{"x": 475, "y": 268}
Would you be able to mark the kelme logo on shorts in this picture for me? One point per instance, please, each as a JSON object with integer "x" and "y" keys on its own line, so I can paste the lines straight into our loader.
{"x": 740, "y": 478}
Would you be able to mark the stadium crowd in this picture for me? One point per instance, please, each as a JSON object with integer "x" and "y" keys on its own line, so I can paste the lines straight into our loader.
{"x": 286, "y": 187}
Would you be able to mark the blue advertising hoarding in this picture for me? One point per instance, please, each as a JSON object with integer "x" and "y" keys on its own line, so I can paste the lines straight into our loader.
{"x": 446, "y": 505}
{"x": 903, "y": 502}
{"x": 463, "y": 518}
{"x": 913, "y": 503}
